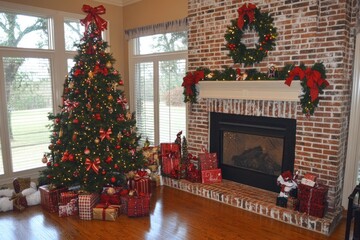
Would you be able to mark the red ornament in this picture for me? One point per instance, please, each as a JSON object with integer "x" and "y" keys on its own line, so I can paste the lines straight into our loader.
{"x": 57, "y": 120}
{"x": 48, "y": 164}
{"x": 71, "y": 157}
{"x": 87, "y": 151}
{"x": 76, "y": 121}
{"x": 103, "y": 172}
{"x": 56, "y": 165}
{"x": 121, "y": 82}
{"x": 108, "y": 159}
{"x": 49, "y": 176}
{"x": 113, "y": 179}
{"x": 58, "y": 142}
{"x": 118, "y": 147}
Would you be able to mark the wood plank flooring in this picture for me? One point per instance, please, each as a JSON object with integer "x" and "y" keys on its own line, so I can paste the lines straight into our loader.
{"x": 173, "y": 215}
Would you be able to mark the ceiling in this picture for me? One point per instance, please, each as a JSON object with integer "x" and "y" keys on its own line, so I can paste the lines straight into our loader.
{"x": 120, "y": 3}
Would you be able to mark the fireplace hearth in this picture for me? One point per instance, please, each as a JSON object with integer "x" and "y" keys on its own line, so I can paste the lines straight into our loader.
{"x": 253, "y": 150}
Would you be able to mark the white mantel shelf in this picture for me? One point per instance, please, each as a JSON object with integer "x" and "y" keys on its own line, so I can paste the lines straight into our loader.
{"x": 250, "y": 90}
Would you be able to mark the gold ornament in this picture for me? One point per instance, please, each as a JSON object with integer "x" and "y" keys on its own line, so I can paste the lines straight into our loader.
{"x": 97, "y": 140}
{"x": 108, "y": 64}
{"x": 91, "y": 74}
{"x": 44, "y": 159}
{"x": 110, "y": 97}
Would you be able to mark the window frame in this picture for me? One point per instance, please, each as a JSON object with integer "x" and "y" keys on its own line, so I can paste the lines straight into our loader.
{"x": 57, "y": 56}
{"x": 155, "y": 59}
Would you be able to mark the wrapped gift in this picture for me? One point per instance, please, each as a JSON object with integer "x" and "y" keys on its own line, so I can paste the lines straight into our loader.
{"x": 312, "y": 209}
{"x": 316, "y": 195}
{"x": 208, "y": 160}
{"x": 293, "y": 203}
{"x": 86, "y": 204}
{"x": 192, "y": 173}
{"x": 142, "y": 182}
{"x": 50, "y": 197}
{"x": 106, "y": 212}
{"x": 138, "y": 206}
{"x": 211, "y": 176}
{"x": 65, "y": 197}
{"x": 124, "y": 204}
{"x": 170, "y": 159}
{"x": 111, "y": 195}
{"x": 69, "y": 209}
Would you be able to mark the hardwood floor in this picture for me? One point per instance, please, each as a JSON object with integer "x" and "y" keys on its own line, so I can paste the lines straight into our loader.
{"x": 173, "y": 215}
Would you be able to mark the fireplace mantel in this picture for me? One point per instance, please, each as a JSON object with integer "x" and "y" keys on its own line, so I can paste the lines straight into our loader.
{"x": 251, "y": 90}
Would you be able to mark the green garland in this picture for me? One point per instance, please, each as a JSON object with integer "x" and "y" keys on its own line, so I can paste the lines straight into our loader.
{"x": 250, "y": 18}
{"x": 311, "y": 79}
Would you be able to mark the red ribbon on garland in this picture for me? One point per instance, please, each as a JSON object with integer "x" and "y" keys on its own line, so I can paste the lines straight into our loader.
{"x": 104, "y": 134}
{"x": 190, "y": 79}
{"x": 93, "y": 15}
{"x": 246, "y": 10}
{"x": 94, "y": 165}
{"x": 313, "y": 77}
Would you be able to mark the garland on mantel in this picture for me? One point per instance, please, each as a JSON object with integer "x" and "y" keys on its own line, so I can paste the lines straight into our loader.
{"x": 311, "y": 79}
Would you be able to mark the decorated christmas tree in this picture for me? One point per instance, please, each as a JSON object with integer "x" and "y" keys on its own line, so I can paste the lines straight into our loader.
{"x": 94, "y": 140}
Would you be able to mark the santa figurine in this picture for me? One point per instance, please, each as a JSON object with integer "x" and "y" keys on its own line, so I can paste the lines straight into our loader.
{"x": 25, "y": 193}
{"x": 287, "y": 183}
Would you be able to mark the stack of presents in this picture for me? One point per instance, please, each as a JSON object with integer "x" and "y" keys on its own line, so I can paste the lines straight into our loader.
{"x": 306, "y": 196}
{"x": 133, "y": 199}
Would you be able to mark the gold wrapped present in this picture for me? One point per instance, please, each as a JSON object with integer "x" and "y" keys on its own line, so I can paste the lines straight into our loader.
{"x": 106, "y": 212}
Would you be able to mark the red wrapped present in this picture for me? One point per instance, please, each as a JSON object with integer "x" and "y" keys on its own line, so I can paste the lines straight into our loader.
{"x": 106, "y": 212}
{"x": 293, "y": 203}
{"x": 65, "y": 197}
{"x": 142, "y": 182}
{"x": 312, "y": 209}
{"x": 316, "y": 195}
{"x": 208, "y": 160}
{"x": 86, "y": 204}
{"x": 69, "y": 209}
{"x": 192, "y": 173}
{"x": 211, "y": 176}
{"x": 170, "y": 159}
{"x": 50, "y": 197}
{"x": 138, "y": 206}
{"x": 110, "y": 195}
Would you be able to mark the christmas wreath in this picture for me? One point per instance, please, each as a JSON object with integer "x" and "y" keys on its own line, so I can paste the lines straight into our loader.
{"x": 312, "y": 81}
{"x": 250, "y": 18}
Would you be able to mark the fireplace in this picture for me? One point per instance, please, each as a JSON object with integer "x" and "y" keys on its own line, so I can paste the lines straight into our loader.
{"x": 253, "y": 150}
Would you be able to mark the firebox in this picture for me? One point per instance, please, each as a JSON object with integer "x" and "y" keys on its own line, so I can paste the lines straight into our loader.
{"x": 253, "y": 150}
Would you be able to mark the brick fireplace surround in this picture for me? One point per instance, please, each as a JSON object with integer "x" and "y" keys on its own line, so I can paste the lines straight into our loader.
{"x": 308, "y": 31}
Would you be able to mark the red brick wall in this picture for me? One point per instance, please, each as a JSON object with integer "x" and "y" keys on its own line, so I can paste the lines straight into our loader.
{"x": 308, "y": 32}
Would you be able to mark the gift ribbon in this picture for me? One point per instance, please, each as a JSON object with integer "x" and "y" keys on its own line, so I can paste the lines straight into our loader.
{"x": 246, "y": 10}
{"x": 104, "y": 134}
{"x": 94, "y": 165}
{"x": 93, "y": 15}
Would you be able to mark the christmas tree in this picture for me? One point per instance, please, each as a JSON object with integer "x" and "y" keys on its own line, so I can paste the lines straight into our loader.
{"x": 94, "y": 140}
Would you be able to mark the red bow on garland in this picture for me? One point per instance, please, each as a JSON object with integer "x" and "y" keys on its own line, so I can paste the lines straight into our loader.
{"x": 97, "y": 69}
{"x": 191, "y": 79}
{"x": 93, "y": 15}
{"x": 246, "y": 10}
{"x": 92, "y": 165}
{"x": 104, "y": 134}
{"x": 312, "y": 77}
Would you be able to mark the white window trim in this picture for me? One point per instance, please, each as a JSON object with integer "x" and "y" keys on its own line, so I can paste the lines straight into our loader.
{"x": 133, "y": 60}
{"x": 353, "y": 149}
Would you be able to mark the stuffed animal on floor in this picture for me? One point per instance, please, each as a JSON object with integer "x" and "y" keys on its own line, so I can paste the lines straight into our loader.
{"x": 25, "y": 193}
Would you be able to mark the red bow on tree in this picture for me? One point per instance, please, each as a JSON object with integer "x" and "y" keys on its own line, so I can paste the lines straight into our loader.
{"x": 246, "y": 10}
{"x": 93, "y": 15}
{"x": 104, "y": 134}
{"x": 92, "y": 165}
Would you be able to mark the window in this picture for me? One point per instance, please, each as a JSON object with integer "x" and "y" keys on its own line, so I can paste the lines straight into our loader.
{"x": 29, "y": 85}
{"x": 158, "y": 65}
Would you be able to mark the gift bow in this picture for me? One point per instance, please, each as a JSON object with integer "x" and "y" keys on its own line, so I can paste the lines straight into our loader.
{"x": 104, "y": 134}
{"x": 141, "y": 175}
{"x": 246, "y": 10}
{"x": 93, "y": 15}
{"x": 70, "y": 105}
{"x": 94, "y": 165}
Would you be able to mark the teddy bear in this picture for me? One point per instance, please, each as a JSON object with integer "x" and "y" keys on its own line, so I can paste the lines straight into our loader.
{"x": 25, "y": 193}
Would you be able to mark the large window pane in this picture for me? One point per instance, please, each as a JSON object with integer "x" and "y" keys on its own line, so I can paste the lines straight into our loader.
{"x": 23, "y": 31}
{"x": 172, "y": 108}
{"x": 144, "y": 85}
{"x": 169, "y": 42}
{"x": 29, "y": 100}
{"x": 73, "y": 33}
